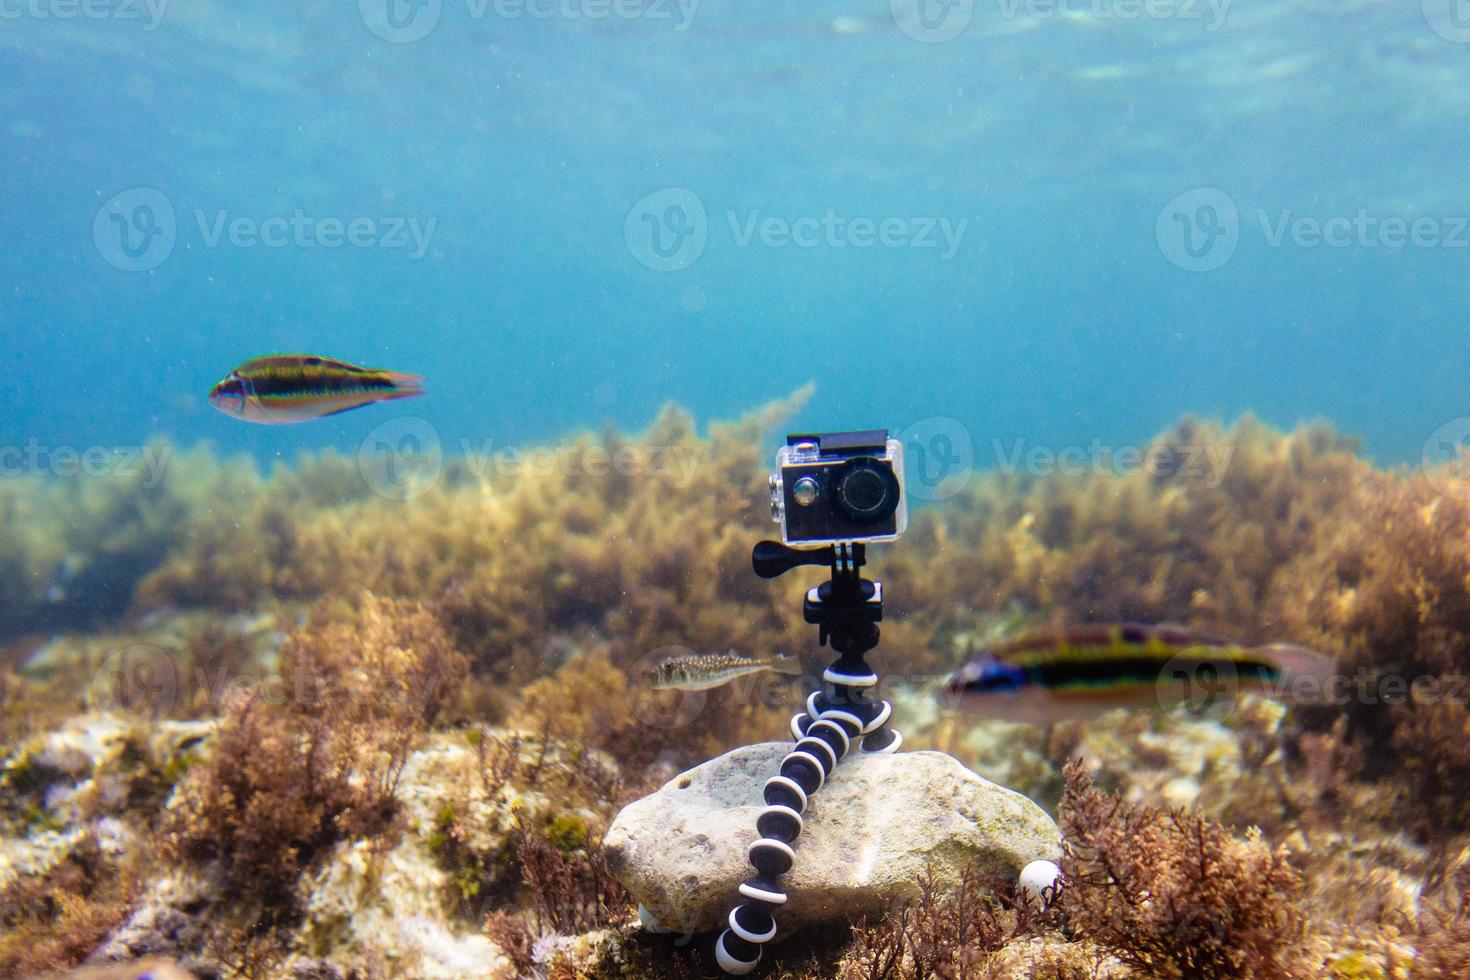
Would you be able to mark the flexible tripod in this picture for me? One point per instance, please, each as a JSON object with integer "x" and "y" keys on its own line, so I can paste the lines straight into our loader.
{"x": 846, "y": 609}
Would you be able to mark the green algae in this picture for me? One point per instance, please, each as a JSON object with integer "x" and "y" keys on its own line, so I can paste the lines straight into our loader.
{"x": 567, "y": 833}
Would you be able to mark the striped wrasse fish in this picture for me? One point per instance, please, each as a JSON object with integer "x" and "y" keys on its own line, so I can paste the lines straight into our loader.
{"x": 706, "y": 671}
{"x": 1084, "y": 671}
{"x": 285, "y": 388}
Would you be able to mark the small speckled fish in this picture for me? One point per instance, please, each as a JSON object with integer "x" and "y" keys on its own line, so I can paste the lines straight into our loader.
{"x": 1083, "y": 671}
{"x": 285, "y": 388}
{"x": 706, "y": 671}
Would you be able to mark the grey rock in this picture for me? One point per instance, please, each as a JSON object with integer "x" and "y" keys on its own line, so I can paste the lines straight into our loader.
{"x": 169, "y": 921}
{"x": 869, "y": 835}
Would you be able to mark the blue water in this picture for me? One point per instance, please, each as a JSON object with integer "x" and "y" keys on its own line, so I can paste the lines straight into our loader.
{"x": 526, "y": 141}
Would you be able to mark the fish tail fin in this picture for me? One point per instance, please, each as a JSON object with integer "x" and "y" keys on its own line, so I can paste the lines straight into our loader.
{"x": 785, "y": 663}
{"x": 405, "y": 385}
{"x": 1295, "y": 661}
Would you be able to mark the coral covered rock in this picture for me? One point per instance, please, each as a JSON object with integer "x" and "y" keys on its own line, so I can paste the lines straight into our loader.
{"x": 870, "y": 834}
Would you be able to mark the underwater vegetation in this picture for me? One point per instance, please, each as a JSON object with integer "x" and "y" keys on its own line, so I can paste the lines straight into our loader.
{"x": 1174, "y": 895}
{"x": 287, "y": 781}
{"x": 54, "y": 920}
{"x": 442, "y": 702}
{"x": 75, "y": 548}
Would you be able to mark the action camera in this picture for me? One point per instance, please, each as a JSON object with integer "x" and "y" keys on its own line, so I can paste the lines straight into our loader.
{"x": 839, "y": 486}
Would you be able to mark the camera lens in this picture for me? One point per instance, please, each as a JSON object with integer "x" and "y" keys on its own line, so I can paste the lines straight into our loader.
{"x": 865, "y": 490}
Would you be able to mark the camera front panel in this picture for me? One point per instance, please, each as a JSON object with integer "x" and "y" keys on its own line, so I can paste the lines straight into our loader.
{"x": 839, "y": 487}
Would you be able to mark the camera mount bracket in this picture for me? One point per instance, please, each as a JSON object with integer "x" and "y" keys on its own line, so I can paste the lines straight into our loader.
{"x": 846, "y": 610}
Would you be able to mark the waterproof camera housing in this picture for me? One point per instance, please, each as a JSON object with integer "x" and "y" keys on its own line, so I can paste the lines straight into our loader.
{"x": 839, "y": 486}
